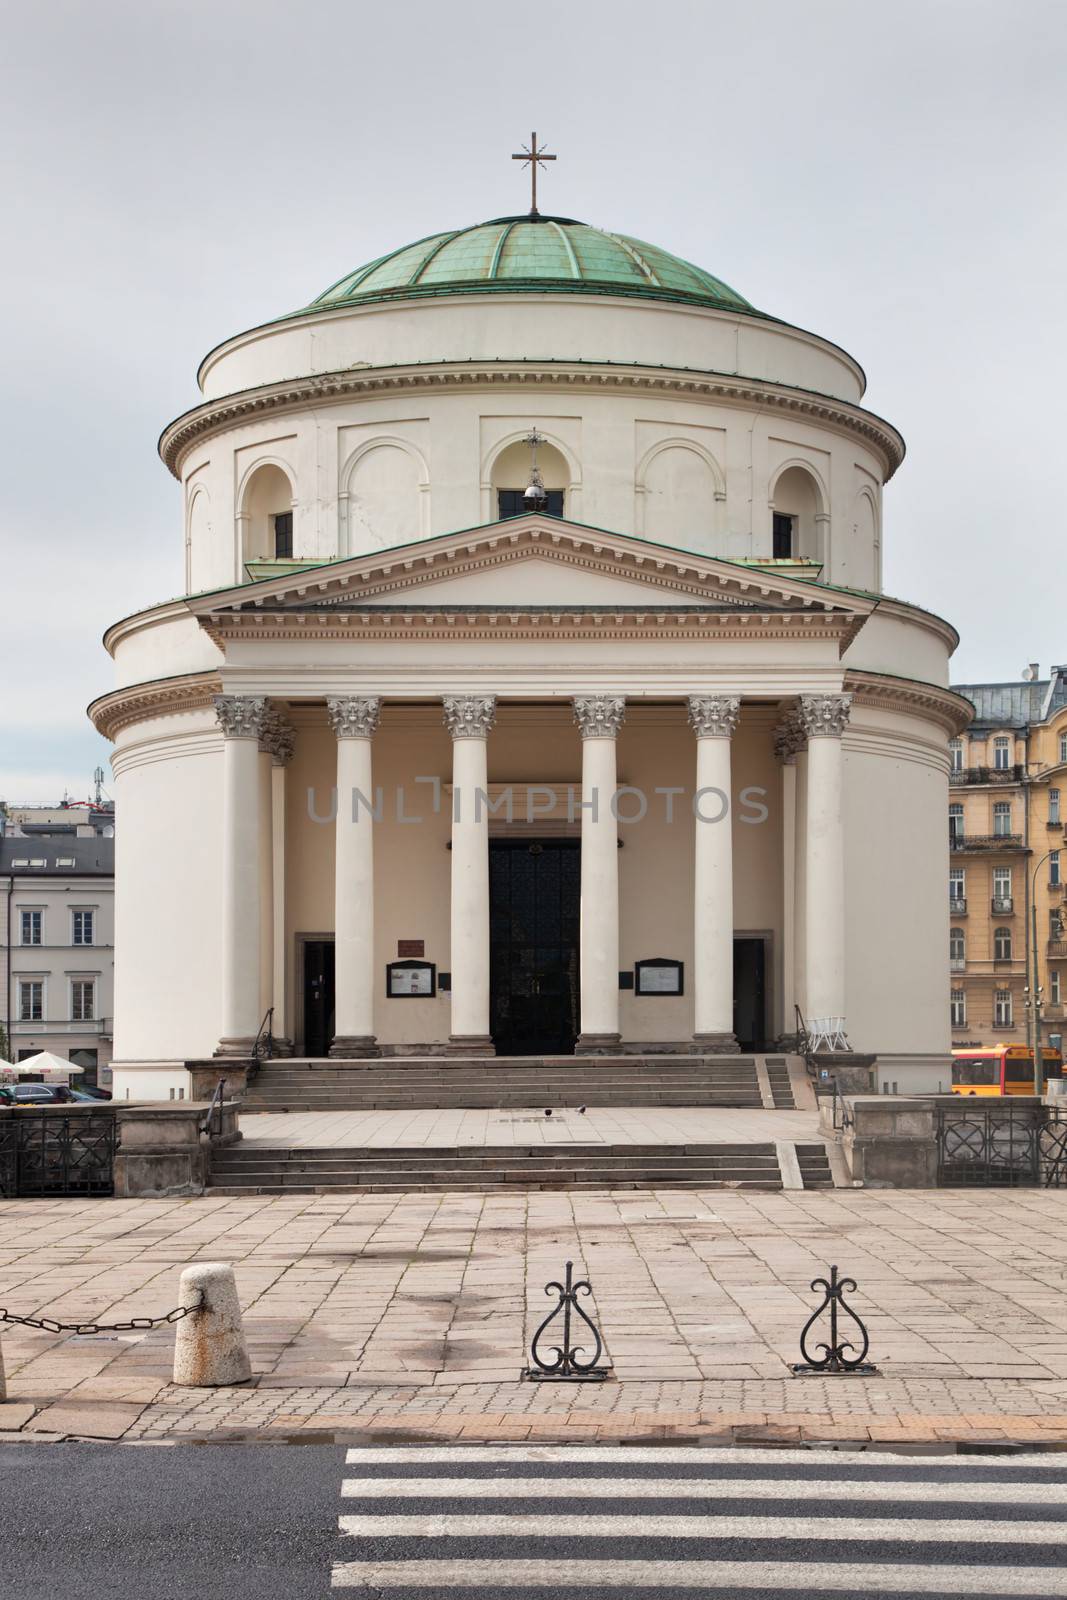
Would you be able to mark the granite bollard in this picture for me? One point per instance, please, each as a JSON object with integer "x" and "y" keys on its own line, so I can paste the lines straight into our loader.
{"x": 209, "y": 1345}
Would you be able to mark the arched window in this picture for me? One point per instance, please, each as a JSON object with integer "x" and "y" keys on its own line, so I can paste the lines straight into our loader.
{"x": 266, "y": 515}
{"x": 957, "y": 950}
{"x": 796, "y": 516}
{"x": 1002, "y": 944}
{"x": 511, "y": 475}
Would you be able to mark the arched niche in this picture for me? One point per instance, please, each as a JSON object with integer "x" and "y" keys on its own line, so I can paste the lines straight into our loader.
{"x": 265, "y": 513}
{"x": 865, "y": 570}
{"x": 198, "y": 553}
{"x": 799, "y": 514}
{"x": 508, "y": 474}
{"x": 384, "y": 499}
{"x": 679, "y": 489}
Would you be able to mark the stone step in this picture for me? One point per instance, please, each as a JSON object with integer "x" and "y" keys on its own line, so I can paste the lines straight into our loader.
{"x": 815, "y": 1166}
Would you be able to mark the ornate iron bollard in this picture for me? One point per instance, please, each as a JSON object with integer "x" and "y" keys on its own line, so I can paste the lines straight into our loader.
{"x": 567, "y": 1367}
{"x": 834, "y": 1362}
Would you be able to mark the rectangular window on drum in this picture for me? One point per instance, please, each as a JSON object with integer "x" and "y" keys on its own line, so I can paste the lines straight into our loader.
{"x": 283, "y": 536}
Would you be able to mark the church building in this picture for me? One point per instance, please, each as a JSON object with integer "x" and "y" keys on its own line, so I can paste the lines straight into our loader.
{"x": 533, "y": 691}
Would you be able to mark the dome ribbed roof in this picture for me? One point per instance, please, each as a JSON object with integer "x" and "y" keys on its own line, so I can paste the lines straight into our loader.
{"x": 530, "y": 253}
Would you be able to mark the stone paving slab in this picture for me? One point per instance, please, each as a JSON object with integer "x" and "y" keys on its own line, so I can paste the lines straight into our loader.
{"x": 400, "y": 1315}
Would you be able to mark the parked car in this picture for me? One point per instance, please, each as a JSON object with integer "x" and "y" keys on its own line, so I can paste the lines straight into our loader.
{"x": 35, "y": 1094}
{"x": 90, "y": 1094}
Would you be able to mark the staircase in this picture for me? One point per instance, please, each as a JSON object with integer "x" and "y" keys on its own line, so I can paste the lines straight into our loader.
{"x": 443, "y": 1082}
{"x": 781, "y": 1088}
{"x": 246, "y": 1169}
{"x": 814, "y": 1166}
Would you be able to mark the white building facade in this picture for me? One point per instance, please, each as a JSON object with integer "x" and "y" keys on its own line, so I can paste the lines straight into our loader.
{"x": 644, "y": 770}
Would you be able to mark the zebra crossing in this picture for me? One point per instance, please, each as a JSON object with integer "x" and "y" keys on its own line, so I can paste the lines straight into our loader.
{"x": 575, "y": 1522}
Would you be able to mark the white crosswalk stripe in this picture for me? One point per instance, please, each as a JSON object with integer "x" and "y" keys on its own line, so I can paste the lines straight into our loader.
{"x": 570, "y": 1521}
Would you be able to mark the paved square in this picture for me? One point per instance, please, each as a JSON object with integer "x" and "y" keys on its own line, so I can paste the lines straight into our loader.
{"x": 415, "y": 1310}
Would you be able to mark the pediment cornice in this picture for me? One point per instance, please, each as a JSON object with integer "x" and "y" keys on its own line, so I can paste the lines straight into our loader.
{"x": 404, "y": 576}
{"x": 217, "y": 415}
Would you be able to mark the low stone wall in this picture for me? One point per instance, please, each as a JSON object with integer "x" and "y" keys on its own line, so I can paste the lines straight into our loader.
{"x": 204, "y": 1078}
{"x": 887, "y": 1141}
{"x": 161, "y": 1150}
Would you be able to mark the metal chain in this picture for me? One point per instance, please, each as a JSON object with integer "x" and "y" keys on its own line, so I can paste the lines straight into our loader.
{"x": 135, "y": 1325}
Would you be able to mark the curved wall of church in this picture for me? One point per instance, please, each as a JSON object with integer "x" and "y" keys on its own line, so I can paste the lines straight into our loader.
{"x": 504, "y": 327}
{"x": 704, "y": 475}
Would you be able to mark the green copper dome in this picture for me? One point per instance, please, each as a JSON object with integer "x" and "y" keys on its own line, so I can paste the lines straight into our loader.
{"x": 530, "y": 253}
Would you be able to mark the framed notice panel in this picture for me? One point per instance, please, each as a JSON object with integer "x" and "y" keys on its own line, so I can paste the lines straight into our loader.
{"x": 410, "y": 980}
{"x": 659, "y": 976}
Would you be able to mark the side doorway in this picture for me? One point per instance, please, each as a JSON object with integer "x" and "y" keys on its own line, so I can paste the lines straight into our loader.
{"x": 317, "y": 969}
{"x": 750, "y": 993}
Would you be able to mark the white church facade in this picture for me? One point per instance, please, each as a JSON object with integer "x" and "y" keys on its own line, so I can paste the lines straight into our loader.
{"x": 652, "y": 767}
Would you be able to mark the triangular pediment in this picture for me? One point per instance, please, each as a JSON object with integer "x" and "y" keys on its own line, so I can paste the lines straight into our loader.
{"x": 532, "y": 562}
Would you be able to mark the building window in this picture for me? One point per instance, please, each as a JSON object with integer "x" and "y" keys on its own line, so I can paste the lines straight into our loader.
{"x": 31, "y": 927}
{"x": 512, "y": 503}
{"x": 956, "y": 885}
{"x": 955, "y": 755}
{"x": 1054, "y": 986}
{"x": 1063, "y": 746}
{"x": 1002, "y": 818}
{"x": 1054, "y": 868}
{"x": 82, "y": 927}
{"x": 1002, "y": 1008}
{"x": 782, "y": 536}
{"x": 959, "y": 1008}
{"x": 1055, "y": 1042}
{"x": 955, "y": 821}
{"x": 82, "y": 999}
{"x": 1001, "y": 883}
{"x": 31, "y": 999}
{"x": 1001, "y": 753}
{"x": 957, "y": 950}
{"x": 1054, "y": 805}
{"x": 1055, "y": 926}
{"x": 1002, "y": 944}
{"x": 283, "y": 536}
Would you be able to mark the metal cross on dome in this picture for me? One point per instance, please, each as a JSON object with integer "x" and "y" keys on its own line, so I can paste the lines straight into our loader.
{"x": 533, "y": 156}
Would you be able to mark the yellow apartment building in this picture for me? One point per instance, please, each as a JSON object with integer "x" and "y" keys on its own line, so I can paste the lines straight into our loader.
{"x": 1007, "y": 801}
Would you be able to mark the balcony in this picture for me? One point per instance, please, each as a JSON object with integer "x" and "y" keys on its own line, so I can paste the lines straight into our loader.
{"x": 957, "y": 963}
{"x": 957, "y": 905}
{"x": 969, "y": 775}
{"x": 984, "y": 841}
{"x": 1054, "y": 822}
{"x": 1002, "y": 905}
{"x": 1056, "y": 949}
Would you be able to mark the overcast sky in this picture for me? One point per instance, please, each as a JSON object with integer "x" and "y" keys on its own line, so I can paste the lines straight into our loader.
{"x": 890, "y": 176}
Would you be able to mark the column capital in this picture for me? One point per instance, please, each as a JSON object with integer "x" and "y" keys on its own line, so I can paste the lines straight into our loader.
{"x": 599, "y": 716}
{"x": 823, "y": 716}
{"x": 279, "y": 740}
{"x": 242, "y": 716}
{"x": 789, "y": 739}
{"x": 469, "y": 716}
{"x": 354, "y": 716}
{"x": 714, "y": 716}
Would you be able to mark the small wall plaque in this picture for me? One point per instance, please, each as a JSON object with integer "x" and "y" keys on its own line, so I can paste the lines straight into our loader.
{"x": 659, "y": 975}
{"x": 410, "y": 980}
{"x": 411, "y": 947}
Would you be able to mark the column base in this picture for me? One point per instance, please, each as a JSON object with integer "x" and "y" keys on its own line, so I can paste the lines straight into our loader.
{"x": 281, "y": 1047}
{"x": 716, "y": 1044}
{"x": 235, "y": 1049}
{"x": 597, "y": 1044}
{"x": 355, "y": 1046}
{"x": 470, "y": 1044}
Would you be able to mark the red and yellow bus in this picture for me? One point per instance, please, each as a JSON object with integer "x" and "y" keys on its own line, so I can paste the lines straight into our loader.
{"x": 1001, "y": 1069}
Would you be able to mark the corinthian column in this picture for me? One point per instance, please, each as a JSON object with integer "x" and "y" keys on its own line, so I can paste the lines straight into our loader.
{"x": 355, "y": 720}
{"x": 281, "y": 742}
{"x": 713, "y": 719}
{"x": 242, "y": 719}
{"x": 599, "y": 718}
{"x": 788, "y": 742}
{"x": 469, "y": 717}
{"x": 823, "y": 718}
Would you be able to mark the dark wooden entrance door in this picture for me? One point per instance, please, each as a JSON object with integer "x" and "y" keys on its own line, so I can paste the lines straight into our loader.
{"x": 318, "y": 996}
{"x": 750, "y": 993}
{"x": 534, "y": 900}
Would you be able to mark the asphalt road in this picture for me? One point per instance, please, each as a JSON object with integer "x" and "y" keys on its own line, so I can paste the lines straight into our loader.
{"x": 181, "y": 1522}
{"x": 255, "y": 1522}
